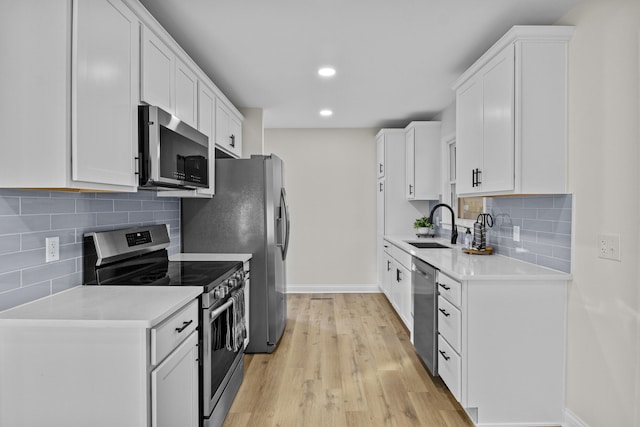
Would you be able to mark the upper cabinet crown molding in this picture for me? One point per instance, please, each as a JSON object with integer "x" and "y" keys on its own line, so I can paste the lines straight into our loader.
{"x": 511, "y": 115}
{"x": 537, "y": 33}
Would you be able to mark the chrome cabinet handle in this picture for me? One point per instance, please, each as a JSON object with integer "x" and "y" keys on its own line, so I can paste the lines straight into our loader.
{"x": 443, "y": 286}
{"x": 410, "y": 189}
{"x": 184, "y": 326}
{"x": 380, "y": 167}
{"x": 444, "y": 355}
{"x": 443, "y": 311}
{"x": 233, "y": 141}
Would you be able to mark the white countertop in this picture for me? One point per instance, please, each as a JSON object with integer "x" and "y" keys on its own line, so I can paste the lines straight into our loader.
{"x": 462, "y": 266}
{"x": 103, "y": 306}
{"x": 210, "y": 257}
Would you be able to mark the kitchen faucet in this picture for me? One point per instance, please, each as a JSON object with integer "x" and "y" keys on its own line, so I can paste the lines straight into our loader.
{"x": 454, "y": 230}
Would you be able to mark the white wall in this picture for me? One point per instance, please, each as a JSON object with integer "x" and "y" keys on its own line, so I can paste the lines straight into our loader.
{"x": 603, "y": 378}
{"x": 330, "y": 180}
{"x": 252, "y": 131}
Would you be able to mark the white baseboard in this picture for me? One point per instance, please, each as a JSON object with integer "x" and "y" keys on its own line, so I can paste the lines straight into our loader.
{"x": 572, "y": 420}
{"x": 333, "y": 289}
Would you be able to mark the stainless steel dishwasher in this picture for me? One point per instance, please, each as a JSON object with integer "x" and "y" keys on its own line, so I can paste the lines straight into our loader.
{"x": 425, "y": 318}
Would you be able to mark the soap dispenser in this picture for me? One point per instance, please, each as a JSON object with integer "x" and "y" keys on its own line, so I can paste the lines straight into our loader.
{"x": 467, "y": 239}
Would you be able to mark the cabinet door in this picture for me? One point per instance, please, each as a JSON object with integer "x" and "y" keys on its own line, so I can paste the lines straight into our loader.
{"x": 206, "y": 125}
{"x": 174, "y": 387}
{"x": 228, "y": 130}
{"x": 157, "y": 71}
{"x": 186, "y": 87}
{"x": 104, "y": 87}
{"x": 380, "y": 209}
{"x": 498, "y": 141}
{"x": 235, "y": 128}
{"x": 469, "y": 131}
{"x": 404, "y": 295}
{"x": 380, "y": 146}
{"x": 222, "y": 125}
{"x": 387, "y": 275}
{"x": 410, "y": 150}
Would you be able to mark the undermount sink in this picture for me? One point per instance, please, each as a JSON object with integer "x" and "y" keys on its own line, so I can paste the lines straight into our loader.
{"x": 428, "y": 245}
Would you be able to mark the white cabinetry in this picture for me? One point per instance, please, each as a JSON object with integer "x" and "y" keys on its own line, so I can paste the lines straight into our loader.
{"x": 167, "y": 81}
{"x": 511, "y": 115}
{"x": 501, "y": 348}
{"x": 228, "y": 130}
{"x": 398, "y": 283}
{"x": 422, "y": 150}
{"x": 99, "y": 359}
{"x": 69, "y": 95}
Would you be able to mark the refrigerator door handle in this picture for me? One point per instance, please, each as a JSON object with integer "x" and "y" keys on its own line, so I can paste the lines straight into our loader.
{"x": 284, "y": 209}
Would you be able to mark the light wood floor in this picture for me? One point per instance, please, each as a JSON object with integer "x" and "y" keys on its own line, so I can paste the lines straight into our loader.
{"x": 344, "y": 360}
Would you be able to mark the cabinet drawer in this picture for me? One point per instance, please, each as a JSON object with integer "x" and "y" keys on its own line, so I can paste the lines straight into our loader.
{"x": 170, "y": 333}
{"x": 450, "y": 289}
{"x": 449, "y": 323}
{"x": 401, "y": 256}
{"x": 449, "y": 367}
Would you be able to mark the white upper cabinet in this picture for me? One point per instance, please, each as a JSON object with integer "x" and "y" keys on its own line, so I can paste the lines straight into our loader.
{"x": 167, "y": 82}
{"x": 511, "y": 115}
{"x": 422, "y": 162}
{"x": 186, "y": 94}
{"x": 157, "y": 66}
{"x": 228, "y": 130}
{"x": 380, "y": 156}
{"x": 69, "y": 95}
{"x": 104, "y": 125}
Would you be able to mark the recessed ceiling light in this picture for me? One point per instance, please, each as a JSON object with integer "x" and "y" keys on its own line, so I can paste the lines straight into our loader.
{"x": 326, "y": 113}
{"x": 327, "y": 71}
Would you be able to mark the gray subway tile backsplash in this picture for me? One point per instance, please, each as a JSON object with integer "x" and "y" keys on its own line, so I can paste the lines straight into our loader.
{"x": 28, "y": 217}
{"x": 545, "y": 229}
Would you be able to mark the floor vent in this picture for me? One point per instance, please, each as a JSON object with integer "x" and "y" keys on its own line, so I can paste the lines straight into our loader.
{"x": 321, "y": 298}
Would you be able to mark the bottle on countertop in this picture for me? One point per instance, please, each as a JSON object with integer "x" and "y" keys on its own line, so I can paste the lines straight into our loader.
{"x": 467, "y": 239}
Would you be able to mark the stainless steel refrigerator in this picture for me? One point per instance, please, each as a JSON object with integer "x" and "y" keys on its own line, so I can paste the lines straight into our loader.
{"x": 248, "y": 214}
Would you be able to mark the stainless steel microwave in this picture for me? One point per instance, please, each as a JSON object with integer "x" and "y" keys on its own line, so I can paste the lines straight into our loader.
{"x": 172, "y": 154}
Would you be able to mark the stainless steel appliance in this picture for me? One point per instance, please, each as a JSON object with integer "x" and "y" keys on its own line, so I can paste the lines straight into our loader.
{"x": 171, "y": 153}
{"x": 138, "y": 256}
{"x": 425, "y": 321}
{"x": 248, "y": 214}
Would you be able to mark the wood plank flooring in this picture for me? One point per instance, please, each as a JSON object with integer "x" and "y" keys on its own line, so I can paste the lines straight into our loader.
{"x": 344, "y": 360}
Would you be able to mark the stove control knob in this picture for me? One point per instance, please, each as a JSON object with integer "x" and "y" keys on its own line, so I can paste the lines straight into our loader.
{"x": 217, "y": 293}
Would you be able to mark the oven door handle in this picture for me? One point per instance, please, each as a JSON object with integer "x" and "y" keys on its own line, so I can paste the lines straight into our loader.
{"x": 218, "y": 311}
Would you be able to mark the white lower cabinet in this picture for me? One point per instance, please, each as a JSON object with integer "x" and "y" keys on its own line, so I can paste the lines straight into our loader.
{"x": 501, "y": 349}
{"x": 102, "y": 373}
{"x": 397, "y": 286}
{"x": 174, "y": 387}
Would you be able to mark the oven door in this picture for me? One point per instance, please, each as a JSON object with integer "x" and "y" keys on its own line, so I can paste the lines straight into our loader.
{"x": 217, "y": 361}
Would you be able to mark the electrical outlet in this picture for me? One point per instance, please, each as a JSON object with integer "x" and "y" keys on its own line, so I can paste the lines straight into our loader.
{"x": 609, "y": 246}
{"x": 52, "y": 249}
{"x": 516, "y": 233}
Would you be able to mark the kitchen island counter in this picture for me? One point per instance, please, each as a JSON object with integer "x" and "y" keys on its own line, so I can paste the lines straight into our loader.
{"x": 103, "y": 306}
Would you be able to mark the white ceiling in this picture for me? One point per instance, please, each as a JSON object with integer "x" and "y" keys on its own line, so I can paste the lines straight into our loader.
{"x": 395, "y": 59}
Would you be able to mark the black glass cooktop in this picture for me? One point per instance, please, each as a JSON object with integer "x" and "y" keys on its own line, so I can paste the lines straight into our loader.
{"x": 155, "y": 269}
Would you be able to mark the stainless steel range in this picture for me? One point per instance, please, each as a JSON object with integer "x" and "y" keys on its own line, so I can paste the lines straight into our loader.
{"x": 138, "y": 257}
